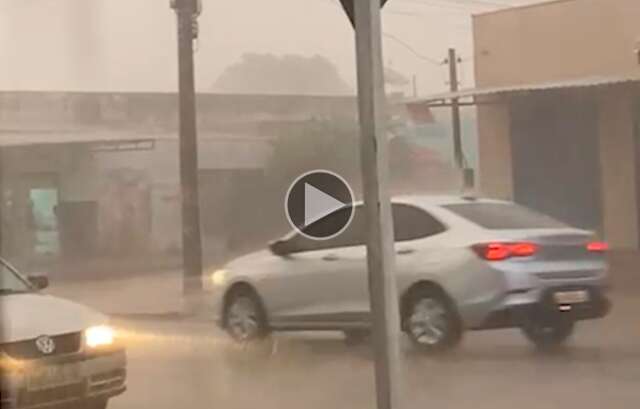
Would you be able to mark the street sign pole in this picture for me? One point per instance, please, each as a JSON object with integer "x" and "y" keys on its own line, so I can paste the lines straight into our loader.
{"x": 380, "y": 240}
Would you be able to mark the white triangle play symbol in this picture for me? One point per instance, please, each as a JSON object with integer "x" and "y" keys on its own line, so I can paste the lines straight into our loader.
{"x": 318, "y": 204}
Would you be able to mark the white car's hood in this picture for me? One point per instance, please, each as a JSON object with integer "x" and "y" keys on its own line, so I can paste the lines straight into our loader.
{"x": 28, "y": 316}
{"x": 251, "y": 260}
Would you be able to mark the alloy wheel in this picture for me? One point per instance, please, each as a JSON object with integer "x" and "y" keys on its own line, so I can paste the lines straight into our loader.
{"x": 428, "y": 322}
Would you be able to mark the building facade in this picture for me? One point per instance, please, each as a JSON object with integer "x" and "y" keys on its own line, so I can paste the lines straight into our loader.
{"x": 90, "y": 175}
{"x": 558, "y": 111}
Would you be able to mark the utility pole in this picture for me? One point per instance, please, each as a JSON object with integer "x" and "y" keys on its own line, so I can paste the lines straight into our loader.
{"x": 455, "y": 109}
{"x": 377, "y": 205}
{"x": 187, "y": 12}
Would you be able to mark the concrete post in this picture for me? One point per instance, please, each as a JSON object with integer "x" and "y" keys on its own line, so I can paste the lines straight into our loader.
{"x": 375, "y": 173}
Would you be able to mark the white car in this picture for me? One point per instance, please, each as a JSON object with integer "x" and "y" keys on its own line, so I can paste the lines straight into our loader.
{"x": 53, "y": 351}
{"x": 461, "y": 263}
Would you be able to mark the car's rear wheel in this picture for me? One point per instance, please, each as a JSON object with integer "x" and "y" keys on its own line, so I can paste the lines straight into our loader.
{"x": 430, "y": 320}
{"x": 548, "y": 333}
{"x": 244, "y": 317}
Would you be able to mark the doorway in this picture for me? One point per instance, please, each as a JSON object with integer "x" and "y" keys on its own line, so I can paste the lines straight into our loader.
{"x": 35, "y": 223}
{"x": 44, "y": 204}
{"x": 555, "y": 156}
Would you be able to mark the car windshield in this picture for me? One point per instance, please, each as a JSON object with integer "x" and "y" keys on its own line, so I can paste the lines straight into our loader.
{"x": 11, "y": 282}
{"x": 504, "y": 216}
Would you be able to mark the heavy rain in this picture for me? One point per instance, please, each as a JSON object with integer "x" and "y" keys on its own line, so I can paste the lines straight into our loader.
{"x": 386, "y": 204}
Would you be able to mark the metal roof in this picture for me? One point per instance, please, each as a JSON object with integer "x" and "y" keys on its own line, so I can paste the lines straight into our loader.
{"x": 215, "y": 151}
{"x": 10, "y": 137}
{"x": 584, "y": 82}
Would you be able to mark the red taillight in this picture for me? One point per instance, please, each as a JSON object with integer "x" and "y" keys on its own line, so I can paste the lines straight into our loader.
{"x": 503, "y": 251}
{"x": 597, "y": 246}
{"x": 523, "y": 249}
{"x": 495, "y": 251}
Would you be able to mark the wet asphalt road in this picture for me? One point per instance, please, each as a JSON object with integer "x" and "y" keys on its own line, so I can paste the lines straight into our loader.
{"x": 190, "y": 364}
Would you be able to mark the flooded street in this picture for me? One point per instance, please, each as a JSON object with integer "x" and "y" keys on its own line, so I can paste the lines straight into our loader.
{"x": 187, "y": 362}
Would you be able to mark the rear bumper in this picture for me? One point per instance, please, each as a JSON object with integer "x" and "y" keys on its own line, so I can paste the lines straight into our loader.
{"x": 516, "y": 315}
{"x": 99, "y": 376}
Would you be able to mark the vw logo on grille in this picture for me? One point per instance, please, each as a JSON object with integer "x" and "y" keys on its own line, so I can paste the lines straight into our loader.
{"x": 46, "y": 345}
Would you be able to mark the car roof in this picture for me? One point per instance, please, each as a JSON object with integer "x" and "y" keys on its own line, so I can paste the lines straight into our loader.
{"x": 425, "y": 200}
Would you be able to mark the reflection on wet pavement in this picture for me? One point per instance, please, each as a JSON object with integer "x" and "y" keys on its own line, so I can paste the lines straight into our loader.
{"x": 189, "y": 363}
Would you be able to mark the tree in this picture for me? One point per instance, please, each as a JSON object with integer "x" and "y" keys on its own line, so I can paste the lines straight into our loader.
{"x": 315, "y": 144}
{"x": 288, "y": 74}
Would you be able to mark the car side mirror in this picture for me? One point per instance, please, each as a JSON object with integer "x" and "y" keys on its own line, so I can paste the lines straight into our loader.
{"x": 280, "y": 247}
{"x": 40, "y": 282}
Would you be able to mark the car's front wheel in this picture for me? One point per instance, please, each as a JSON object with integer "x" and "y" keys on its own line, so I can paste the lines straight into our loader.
{"x": 430, "y": 320}
{"x": 244, "y": 317}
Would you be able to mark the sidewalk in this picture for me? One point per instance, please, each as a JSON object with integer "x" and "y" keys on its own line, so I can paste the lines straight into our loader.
{"x": 154, "y": 294}
{"x": 110, "y": 268}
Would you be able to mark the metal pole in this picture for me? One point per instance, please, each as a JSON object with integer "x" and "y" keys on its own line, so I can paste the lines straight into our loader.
{"x": 191, "y": 236}
{"x": 380, "y": 246}
{"x": 455, "y": 109}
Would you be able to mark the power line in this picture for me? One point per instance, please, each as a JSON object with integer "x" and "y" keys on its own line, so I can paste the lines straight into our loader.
{"x": 412, "y": 50}
{"x": 490, "y": 3}
{"x": 468, "y": 3}
{"x": 398, "y": 40}
{"x": 333, "y": 3}
{"x": 460, "y": 5}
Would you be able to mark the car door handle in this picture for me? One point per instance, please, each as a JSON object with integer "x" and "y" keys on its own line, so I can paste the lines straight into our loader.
{"x": 331, "y": 257}
{"x": 405, "y": 251}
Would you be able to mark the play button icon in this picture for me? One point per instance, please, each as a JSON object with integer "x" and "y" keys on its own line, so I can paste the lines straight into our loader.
{"x": 319, "y": 204}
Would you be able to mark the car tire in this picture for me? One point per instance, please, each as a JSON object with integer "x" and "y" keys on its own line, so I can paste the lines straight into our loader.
{"x": 244, "y": 316}
{"x": 549, "y": 333}
{"x": 353, "y": 337}
{"x": 430, "y": 320}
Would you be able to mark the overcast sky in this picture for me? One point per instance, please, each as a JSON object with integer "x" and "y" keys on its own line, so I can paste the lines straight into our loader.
{"x": 130, "y": 45}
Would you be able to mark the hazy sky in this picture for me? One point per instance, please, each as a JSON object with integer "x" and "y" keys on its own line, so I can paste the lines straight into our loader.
{"x": 130, "y": 45}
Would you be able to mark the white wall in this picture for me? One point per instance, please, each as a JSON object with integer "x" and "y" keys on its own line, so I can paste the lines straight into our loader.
{"x": 559, "y": 40}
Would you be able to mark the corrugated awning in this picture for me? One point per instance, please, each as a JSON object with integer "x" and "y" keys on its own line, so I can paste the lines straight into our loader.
{"x": 584, "y": 82}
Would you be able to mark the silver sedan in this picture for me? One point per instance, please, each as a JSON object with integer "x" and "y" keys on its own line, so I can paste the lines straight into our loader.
{"x": 461, "y": 264}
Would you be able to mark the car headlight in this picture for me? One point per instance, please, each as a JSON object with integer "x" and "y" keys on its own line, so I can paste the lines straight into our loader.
{"x": 98, "y": 336}
{"x": 219, "y": 277}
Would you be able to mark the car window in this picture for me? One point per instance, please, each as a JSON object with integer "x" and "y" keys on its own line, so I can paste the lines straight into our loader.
{"x": 10, "y": 281}
{"x": 353, "y": 235}
{"x": 504, "y": 216}
{"x": 412, "y": 223}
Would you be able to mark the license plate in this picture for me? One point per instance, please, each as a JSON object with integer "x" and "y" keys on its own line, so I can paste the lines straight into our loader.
{"x": 51, "y": 376}
{"x": 571, "y": 297}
